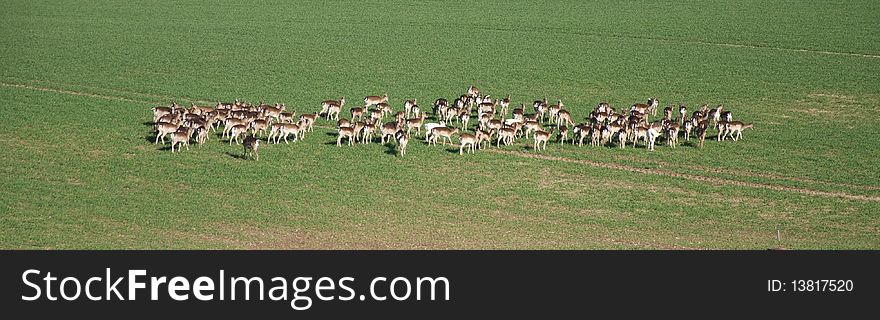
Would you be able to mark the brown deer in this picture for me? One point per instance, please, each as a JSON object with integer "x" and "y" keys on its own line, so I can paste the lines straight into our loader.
{"x": 442, "y": 132}
{"x": 308, "y": 120}
{"x": 181, "y": 136}
{"x": 467, "y": 140}
{"x": 163, "y": 129}
{"x": 389, "y": 130}
{"x": 402, "y": 141}
{"x": 374, "y": 100}
{"x": 407, "y": 107}
{"x": 344, "y": 132}
{"x": 251, "y": 144}
{"x": 483, "y": 136}
{"x": 507, "y": 135}
{"x": 236, "y": 132}
{"x": 415, "y": 123}
{"x": 357, "y": 113}
{"x": 735, "y": 129}
{"x": 541, "y": 137}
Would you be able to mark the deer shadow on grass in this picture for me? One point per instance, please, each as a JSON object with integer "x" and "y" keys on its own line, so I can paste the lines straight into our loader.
{"x": 236, "y": 155}
{"x": 391, "y": 149}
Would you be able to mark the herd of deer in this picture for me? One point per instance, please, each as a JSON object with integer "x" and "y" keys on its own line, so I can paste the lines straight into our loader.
{"x": 604, "y": 126}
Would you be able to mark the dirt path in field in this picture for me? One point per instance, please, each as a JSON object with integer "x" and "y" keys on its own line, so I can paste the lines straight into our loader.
{"x": 607, "y": 165}
{"x": 692, "y": 177}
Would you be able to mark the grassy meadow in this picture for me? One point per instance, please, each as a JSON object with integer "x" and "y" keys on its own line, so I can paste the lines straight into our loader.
{"x": 77, "y": 80}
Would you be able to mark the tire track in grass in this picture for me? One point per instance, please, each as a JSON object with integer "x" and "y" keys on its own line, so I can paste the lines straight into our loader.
{"x": 691, "y": 177}
{"x": 77, "y": 93}
{"x": 606, "y": 165}
{"x": 681, "y": 41}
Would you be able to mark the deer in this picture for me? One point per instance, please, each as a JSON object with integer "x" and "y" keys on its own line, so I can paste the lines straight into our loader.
{"x": 715, "y": 114}
{"x": 463, "y": 118}
{"x": 682, "y": 112}
{"x": 367, "y": 132}
{"x": 273, "y": 112}
{"x": 605, "y": 135}
{"x": 415, "y": 123}
{"x": 735, "y": 129}
{"x": 343, "y": 123}
{"x": 553, "y": 110}
{"x": 287, "y": 117}
{"x": 163, "y": 129}
{"x": 451, "y": 114}
{"x": 602, "y": 107}
{"x": 726, "y": 116}
{"x": 507, "y": 135}
{"x": 358, "y": 129}
{"x": 407, "y": 106}
{"x": 431, "y": 126}
{"x": 376, "y": 115}
{"x": 170, "y": 118}
{"x": 259, "y": 126}
{"x": 473, "y": 91}
{"x": 493, "y": 126}
{"x": 519, "y": 113}
{"x": 541, "y": 137}
{"x": 235, "y": 133}
{"x": 442, "y": 132}
{"x": 516, "y": 125}
{"x": 702, "y": 127}
{"x": 400, "y": 116}
{"x": 326, "y": 105}
{"x": 622, "y": 136}
{"x": 416, "y": 111}
{"x": 201, "y": 136}
{"x": 667, "y": 113}
{"x": 275, "y": 132}
{"x": 344, "y": 132}
{"x": 653, "y": 133}
{"x": 181, "y": 136}
{"x": 562, "y": 135}
{"x": 385, "y": 108}
{"x": 595, "y": 134}
{"x": 251, "y": 144}
{"x": 467, "y": 140}
{"x": 402, "y": 141}
{"x": 333, "y": 111}
{"x": 540, "y": 107}
{"x": 563, "y": 117}
{"x": 374, "y": 100}
{"x": 640, "y": 108}
{"x": 580, "y": 132}
{"x": 688, "y": 127}
{"x": 308, "y": 120}
{"x": 672, "y": 134}
{"x": 640, "y": 133}
{"x": 290, "y": 128}
{"x": 653, "y": 103}
{"x": 357, "y": 113}
{"x": 229, "y": 123}
{"x": 722, "y": 127}
{"x": 483, "y": 136}
{"x": 158, "y": 112}
{"x": 440, "y": 103}
{"x": 389, "y": 130}
{"x": 531, "y": 126}
{"x": 505, "y": 103}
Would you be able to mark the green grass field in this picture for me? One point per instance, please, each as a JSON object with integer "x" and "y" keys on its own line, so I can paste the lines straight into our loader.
{"x": 80, "y": 170}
